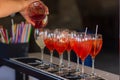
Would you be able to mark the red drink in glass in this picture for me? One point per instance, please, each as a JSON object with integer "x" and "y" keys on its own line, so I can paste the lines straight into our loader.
{"x": 82, "y": 48}
{"x": 96, "y": 47}
{"x": 36, "y": 12}
{"x": 72, "y": 41}
{"x": 38, "y": 20}
{"x": 60, "y": 45}
{"x": 49, "y": 43}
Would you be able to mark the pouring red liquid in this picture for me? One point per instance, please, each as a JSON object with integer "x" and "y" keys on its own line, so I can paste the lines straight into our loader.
{"x": 36, "y": 12}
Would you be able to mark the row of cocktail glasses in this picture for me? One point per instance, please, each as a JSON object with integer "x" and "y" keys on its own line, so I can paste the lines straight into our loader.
{"x": 82, "y": 43}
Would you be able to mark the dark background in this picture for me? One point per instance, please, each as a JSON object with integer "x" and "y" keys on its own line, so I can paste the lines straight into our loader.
{"x": 78, "y": 14}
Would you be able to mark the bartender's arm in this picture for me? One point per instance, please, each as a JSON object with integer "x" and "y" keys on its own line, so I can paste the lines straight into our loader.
{"x": 8, "y": 7}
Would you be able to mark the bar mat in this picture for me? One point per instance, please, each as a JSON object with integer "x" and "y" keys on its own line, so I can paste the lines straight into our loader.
{"x": 44, "y": 65}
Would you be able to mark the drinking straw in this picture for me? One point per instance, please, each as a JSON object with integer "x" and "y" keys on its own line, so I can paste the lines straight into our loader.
{"x": 12, "y": 21}
{"x": 22, "y": 24}
{"x": 86, "y": 31}
{"x": 96, "y": 30}
{"x": 7, "y": 39}
{"x": 2, "y": 38}
{"x": 14, "y": 32}
{"x": 17, "y": 33}
{"x": 29, "y": 31}
{"x": 26, "y": 33}
{"x": 4, "y": 35}
{"x": 23, "y": 33}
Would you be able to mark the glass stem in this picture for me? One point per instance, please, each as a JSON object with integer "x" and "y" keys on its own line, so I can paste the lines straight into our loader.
{"x": 69, "y": 59}
{"x": 42, "y": 51}
{"x": 93, "y": 66}
{"x": 77, "y": 69}
{"x": 51, "y": 59}
{"x": 82, "y": 66}
{"x": 61, "y": 63}
{"x": 51, "y": 56}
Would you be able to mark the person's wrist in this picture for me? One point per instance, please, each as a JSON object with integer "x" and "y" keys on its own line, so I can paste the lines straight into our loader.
{"x": 25, "y": 3}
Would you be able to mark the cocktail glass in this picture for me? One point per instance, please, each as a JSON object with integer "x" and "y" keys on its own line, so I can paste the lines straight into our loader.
{"x": 60, "y": 44}
{"x": 82, "y": 47}
{"x": 39, "y": 39}
{"x": 37, "y": 13}
{"x": 49, "y": 42}
{"x": 96, "y": 47}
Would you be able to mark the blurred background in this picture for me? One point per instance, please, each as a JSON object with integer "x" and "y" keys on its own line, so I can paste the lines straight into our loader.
{"x": 77, "y": 15}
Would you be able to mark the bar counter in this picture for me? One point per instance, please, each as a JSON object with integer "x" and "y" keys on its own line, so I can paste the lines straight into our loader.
{"x": 104, "y": 74}
{"x": 41, "y": 74}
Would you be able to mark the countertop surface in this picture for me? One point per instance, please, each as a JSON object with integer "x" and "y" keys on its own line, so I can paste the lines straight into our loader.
{"x": 104, "y": 74}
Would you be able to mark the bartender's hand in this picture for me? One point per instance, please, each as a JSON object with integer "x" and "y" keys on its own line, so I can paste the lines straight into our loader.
{"x": 9, "y": 7}
{"x": 23, "y": 12}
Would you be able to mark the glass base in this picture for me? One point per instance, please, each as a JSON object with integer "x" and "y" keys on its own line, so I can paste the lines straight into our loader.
{"x": 43, "y": 66}
{"x": 72, "y": 76}
{"x": 61, "y": 73}
{"x": 95, "y": 77}
{"x": 84, "y": 76}
{"x": 52, "y": 70}
{"x": 69, "y": 70}
{"x": 77, "y": 76}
